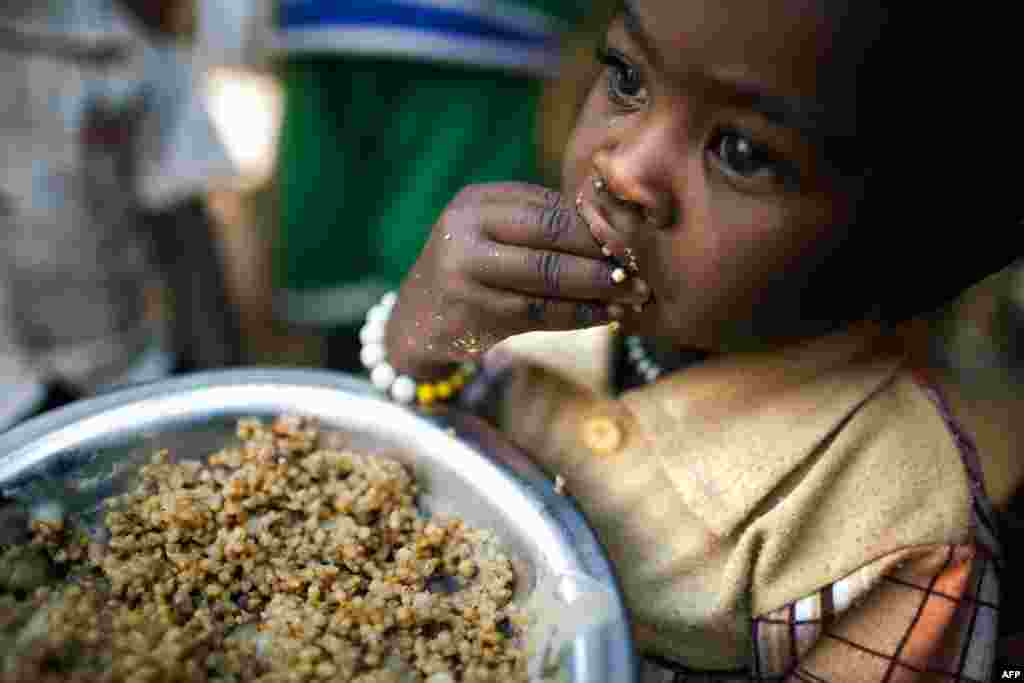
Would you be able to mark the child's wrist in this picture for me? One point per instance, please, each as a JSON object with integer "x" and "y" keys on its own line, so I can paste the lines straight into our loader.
{"x": 400, "y": 377}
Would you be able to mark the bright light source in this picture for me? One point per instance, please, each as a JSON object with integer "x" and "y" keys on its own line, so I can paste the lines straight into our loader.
{"x": 247, "y": 109}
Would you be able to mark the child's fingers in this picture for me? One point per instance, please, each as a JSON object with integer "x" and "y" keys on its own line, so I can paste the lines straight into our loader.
{"x": 540, "y": 222}
{"x": 506, "y": 192}
{"x": 553, "y": 274}
{"x": 523, "y": 313}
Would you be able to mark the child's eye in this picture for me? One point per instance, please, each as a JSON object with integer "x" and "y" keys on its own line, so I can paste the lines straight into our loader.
{"x": 750, "y": 165}
{"x": 625, "y": 82}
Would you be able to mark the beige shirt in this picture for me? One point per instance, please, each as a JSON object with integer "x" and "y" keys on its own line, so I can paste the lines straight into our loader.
{"x": 738, "y": 487}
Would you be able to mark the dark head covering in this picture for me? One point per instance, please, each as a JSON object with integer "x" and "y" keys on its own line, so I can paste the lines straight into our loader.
{"x": 937, "y": 131}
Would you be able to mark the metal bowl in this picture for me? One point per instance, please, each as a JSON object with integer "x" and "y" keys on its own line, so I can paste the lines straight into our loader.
{"x": 88, "y": 451}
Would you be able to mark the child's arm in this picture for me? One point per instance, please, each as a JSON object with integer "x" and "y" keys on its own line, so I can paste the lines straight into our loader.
{"x": 924, "y": 613}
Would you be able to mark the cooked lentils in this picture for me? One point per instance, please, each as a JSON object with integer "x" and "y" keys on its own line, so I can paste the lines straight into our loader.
{"x": 281, "y": 560}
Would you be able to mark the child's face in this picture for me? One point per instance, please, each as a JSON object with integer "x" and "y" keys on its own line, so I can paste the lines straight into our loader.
{"x": 708, "y": 119}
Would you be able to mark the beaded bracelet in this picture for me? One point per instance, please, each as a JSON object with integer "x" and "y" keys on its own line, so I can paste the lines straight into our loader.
{"x": 402, "y": 388}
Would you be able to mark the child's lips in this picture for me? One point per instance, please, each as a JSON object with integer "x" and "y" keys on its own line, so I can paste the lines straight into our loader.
{"x": 614, "y": 246}
{"x": 613, "y": 243}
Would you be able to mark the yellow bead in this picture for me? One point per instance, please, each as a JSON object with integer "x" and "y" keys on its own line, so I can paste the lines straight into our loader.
{"x": 458, "y": 380}
{"x": 444, "y": 390}
{"x": 426, "y": 394}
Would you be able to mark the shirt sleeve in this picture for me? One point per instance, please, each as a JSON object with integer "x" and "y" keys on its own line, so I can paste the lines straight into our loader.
{"x": 926, "y": 613}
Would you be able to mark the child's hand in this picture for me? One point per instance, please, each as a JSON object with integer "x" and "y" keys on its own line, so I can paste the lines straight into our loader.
{"x": 503, "y": 259}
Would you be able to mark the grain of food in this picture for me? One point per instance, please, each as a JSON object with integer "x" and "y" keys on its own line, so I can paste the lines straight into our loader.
{"x": 279, "y": 560}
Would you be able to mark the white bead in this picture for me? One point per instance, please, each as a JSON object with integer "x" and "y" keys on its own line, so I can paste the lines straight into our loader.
{"x": 372, "y": 332}
{"x": 383, "y": 376}
{"x": 652, "y": 375}
{"x": 619, "y": 275}
{"x": 378, "y": 312}
{"x": 636, "y": 354}
{"x": 404, "y": 389}
{"x": 372, "y": 355}
{"x": 389, "y": 300}
{"x": 644, "y": 366}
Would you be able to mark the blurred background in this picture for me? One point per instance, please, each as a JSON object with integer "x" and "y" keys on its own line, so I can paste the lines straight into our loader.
{"x": 206, "y": 183}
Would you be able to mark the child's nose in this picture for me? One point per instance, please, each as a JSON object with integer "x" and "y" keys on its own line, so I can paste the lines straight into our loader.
{"x": 639, "y": 171}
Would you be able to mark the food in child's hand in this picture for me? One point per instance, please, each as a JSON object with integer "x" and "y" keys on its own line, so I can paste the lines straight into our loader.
{"x": 631, "y": 262}
{"x": 281, "y": 559}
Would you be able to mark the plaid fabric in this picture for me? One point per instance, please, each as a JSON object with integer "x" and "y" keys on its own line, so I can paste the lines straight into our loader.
{"x": 927, "y": 613}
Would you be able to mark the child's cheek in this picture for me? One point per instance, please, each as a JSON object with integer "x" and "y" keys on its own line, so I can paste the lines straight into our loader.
{"x": 588, "y": 136}
{"x": 575, "y": 162}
